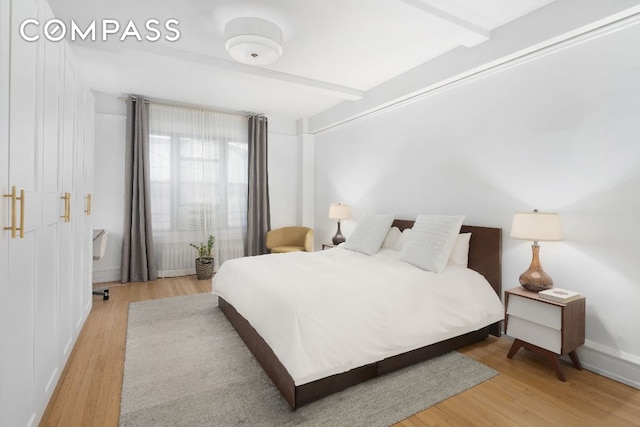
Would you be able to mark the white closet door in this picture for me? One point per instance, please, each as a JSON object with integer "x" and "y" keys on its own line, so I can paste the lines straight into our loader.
{"x": 77, "y": 205}
{"x": 87, "y": 189}
{"x": 65, "y": 230}
{"x": 46, "y": 146}
{"x": 17, "y": 300}
{"x": 5, "y": 7}
{"x": 47, "y": 360}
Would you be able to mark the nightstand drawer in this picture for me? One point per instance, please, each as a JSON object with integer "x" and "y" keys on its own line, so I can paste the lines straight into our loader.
{"x": 548, "y": 315}
{"x": 534, "y": 333}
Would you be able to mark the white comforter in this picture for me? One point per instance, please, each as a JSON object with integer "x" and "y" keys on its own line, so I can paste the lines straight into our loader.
{"x": 327, "y": 312}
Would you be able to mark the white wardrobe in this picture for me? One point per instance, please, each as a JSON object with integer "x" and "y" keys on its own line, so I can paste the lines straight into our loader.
{"x": 46, "y": 155}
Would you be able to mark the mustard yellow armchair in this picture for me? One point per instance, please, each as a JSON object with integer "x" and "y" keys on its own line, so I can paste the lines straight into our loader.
{"x": 290, "y": 239}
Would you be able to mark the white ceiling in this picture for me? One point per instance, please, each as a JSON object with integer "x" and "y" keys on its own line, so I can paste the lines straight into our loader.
{"x": 334, "y": 50}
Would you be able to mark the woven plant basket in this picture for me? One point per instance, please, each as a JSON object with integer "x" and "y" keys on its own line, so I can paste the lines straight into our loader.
{"x": 204, "y": 268}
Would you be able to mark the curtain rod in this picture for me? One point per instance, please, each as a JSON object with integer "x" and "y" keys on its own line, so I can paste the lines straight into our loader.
{"x": 193, "y": 107}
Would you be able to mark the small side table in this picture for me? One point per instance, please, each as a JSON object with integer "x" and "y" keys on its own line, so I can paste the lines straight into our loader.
{"x": 549, "y": 328}
{"x": 328, "y": 246}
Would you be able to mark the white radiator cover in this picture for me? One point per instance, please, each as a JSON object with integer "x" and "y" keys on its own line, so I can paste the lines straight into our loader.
{"x": 179, "y": 259}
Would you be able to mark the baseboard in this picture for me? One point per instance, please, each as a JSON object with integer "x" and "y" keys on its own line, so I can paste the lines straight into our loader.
{"x": 608, "y": 362}
{"x": 110, "y": 275}
{"x": 87, "y": 310}
{"x": 611, "y": 363}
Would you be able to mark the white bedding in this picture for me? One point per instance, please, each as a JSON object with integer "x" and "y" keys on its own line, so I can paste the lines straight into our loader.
{"x": 327, "y": 312}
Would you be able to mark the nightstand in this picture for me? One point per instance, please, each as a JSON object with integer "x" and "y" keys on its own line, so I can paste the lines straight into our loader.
{"x": 328, "y": 246}
{"x": 545, "y": 327}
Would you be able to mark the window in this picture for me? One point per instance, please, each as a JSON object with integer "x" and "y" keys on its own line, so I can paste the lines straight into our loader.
{"x": 199, "y": 182}
{"x": 207, "y": 174}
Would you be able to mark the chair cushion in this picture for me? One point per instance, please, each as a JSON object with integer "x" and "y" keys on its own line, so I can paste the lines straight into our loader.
{"x": 290, "y": 236}
{"x": 284, "y": 249}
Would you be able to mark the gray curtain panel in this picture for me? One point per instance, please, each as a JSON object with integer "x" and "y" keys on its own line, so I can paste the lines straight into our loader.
{"x": 138, "y": 262}
{"x": 258, "y": 211}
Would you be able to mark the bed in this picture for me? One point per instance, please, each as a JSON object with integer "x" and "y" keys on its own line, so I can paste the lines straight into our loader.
{"x": 306, "y": 366}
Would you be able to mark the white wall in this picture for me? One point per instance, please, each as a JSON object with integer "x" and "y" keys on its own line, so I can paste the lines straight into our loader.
{"x": 108, "y": 182}
{"x": 283, "y": 157}
{"x": 108, "y": 202}
{"x": 559, "y": 132}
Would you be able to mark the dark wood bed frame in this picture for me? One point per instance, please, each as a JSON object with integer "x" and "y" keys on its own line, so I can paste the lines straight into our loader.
{"x": 484, "y": 257}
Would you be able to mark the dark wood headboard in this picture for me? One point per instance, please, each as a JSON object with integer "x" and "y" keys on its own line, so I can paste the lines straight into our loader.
{"x": 485, "y": 251}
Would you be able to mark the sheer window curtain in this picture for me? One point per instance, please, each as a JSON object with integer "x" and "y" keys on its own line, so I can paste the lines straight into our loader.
{"x": 199, "y": 178}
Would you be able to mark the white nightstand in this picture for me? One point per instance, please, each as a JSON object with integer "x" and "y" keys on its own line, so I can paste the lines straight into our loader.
{"x": 545, "y": 327}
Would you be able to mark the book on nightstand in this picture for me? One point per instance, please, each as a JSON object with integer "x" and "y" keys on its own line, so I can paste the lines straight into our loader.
{"x": 559, "y": 295}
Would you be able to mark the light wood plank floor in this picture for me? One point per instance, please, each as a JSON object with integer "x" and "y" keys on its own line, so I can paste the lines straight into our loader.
{"x": 526, "y": 393}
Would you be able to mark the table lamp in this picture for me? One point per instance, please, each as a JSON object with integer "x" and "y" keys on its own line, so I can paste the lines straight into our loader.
{"x": 339, "y": 212}
{"x": 539, "y": 227}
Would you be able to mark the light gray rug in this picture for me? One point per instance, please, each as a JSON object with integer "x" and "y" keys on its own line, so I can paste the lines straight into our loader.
{"x": 186, "y": 366}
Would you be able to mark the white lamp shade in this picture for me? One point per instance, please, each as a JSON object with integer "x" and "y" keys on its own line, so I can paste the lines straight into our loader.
{"x": 537, "y": 226}
{"x": 253, "y": 41}
{"x": 339, "y": 211}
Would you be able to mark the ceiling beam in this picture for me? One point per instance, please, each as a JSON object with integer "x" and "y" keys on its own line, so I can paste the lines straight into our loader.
{"x": 533, "y": 32}
{"x": 467, "y": 33}
{"x": 311, "y": 85}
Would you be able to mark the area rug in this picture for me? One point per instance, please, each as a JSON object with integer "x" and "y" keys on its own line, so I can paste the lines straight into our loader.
{"x": 185, "y": 365}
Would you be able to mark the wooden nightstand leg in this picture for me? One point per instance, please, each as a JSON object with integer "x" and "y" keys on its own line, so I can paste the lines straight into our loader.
{"x": 576, "y": 362}
{"x": 514, "y": 348}
{"x": 555, "y": 364}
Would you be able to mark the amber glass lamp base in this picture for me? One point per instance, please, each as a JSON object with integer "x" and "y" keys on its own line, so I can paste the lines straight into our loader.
{"x": 535, "y": 279}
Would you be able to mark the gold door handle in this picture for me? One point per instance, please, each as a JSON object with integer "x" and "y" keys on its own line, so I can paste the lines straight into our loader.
{"x": 67, "y": 207}
{"x": 64, "y": 214}
{"x": 21, "y": 228}
{"x": 13, "y": 228}
{"x": 88, "y": 201}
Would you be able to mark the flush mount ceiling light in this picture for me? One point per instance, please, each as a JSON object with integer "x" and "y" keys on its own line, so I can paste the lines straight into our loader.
{"x": 253, "y": 41}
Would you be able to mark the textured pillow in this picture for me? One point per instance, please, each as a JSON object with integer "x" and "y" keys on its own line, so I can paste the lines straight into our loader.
{"x": 431, "y": 240}
{"x": 460, "y": 252}
{"x": 405, "y": 237}
{"x": 369, "y": 233}
{"x": 394, "y": 235}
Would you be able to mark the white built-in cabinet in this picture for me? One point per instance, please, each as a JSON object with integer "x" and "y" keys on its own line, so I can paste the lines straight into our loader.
{"x": 46, "y": 150}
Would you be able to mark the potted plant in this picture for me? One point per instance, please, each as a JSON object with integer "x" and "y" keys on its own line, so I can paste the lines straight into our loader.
{"x": 204, "y": 262}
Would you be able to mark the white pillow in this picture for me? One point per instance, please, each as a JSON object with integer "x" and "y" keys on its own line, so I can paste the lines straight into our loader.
{"x": 405, "y": 237}
{"x": 394, "y": 235}
{"x": 460, "y": 252}
{"x": 431, "y": 240}
{"x": 389, "y": 253}
{"x": 369, "y": 233}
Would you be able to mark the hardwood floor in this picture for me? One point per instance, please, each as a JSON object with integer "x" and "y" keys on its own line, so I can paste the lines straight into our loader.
{"x": 526, "y": 393}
